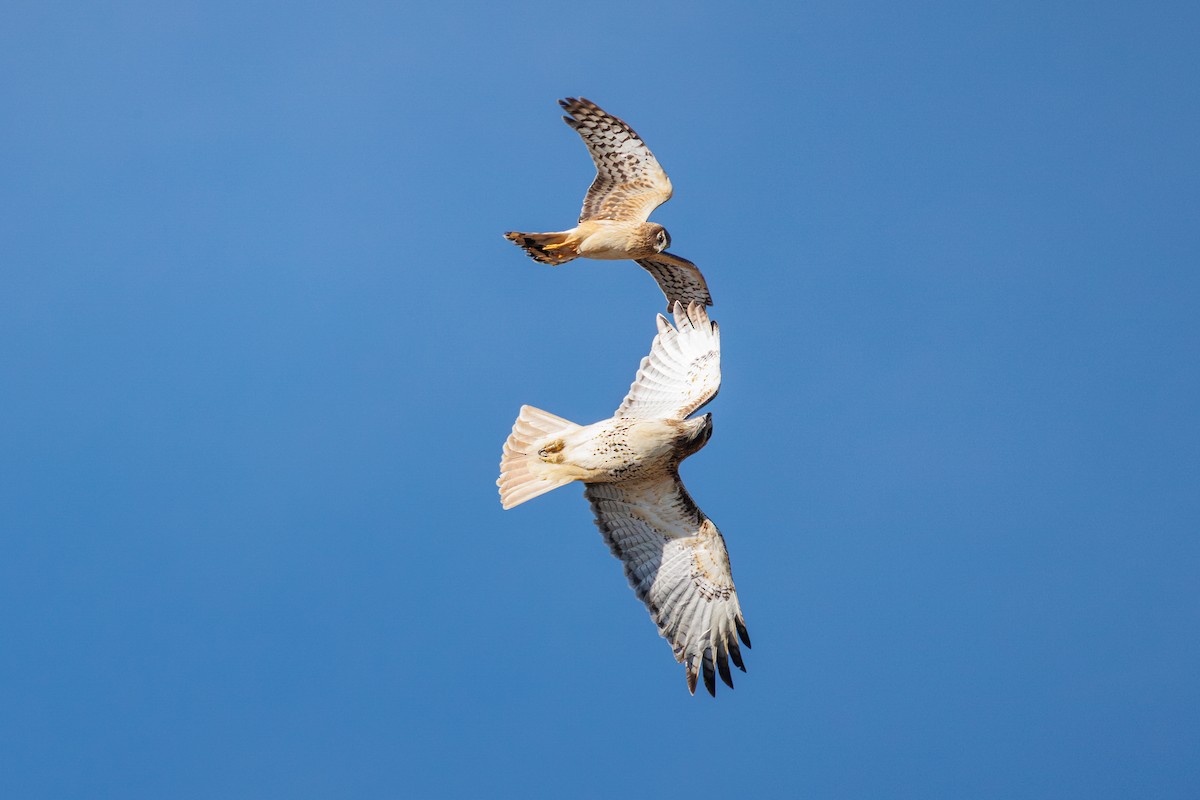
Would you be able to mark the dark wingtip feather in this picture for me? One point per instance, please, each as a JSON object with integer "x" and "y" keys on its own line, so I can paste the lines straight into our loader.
{"x": 735, "y": 653}
{"x": 691, "y": 679}
{"x": 723, "y": 667}
{"x": 710, "y": 678}
{"x": 742, "y": 634}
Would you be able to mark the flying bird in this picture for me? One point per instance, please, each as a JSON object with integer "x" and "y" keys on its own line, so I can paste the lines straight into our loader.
{"x": 674, "y": 556}
{"x": 613, "y": 224}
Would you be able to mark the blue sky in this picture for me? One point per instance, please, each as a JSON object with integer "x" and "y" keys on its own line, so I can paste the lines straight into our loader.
{"x": 261, "y": 341}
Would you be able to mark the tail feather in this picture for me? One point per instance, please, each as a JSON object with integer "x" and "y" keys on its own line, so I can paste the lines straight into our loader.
{"x": 535, "y": 244}
{"x": 523, "y": 473}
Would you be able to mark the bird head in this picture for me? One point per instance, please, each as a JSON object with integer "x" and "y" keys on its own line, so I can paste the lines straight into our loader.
{"x": 698, "y": 431}
{"x": 662, "y": 239}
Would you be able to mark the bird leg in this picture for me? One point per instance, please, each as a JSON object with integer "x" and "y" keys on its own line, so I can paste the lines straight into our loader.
{"x": 550, "y": 453}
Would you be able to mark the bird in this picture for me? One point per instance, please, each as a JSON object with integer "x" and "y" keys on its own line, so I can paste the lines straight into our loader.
{"x": 614, "y": 224}
{"x": 674, "y": 556}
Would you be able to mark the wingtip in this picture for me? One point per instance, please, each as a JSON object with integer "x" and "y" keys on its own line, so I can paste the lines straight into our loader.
{"x": 710, "y": 678}
{"x": 682, "y": 315}
{"x": 723, "y": 667}
{"x": 743, "y": 634}
{"x": 572, "y": 106}
{"x": 574, "y": 102}
{"x": 663, "y": 323}
{"x": 735, "y": 654}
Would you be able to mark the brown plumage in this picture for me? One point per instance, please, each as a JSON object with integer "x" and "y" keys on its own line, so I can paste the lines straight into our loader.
{"x": 613, "y": 223}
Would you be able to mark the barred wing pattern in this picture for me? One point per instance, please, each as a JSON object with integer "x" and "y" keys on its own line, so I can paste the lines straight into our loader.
{"x": 629, "y": 182}
{"x": 679, "y": 279}
{"x": 676, "y": 562}
{"x": 683, "y": 370}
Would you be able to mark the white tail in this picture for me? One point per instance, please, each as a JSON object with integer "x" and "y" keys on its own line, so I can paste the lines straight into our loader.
{"x": 523, "y": 474}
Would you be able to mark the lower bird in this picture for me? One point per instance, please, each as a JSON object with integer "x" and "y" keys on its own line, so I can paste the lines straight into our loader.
{"x": 674, "y": 556}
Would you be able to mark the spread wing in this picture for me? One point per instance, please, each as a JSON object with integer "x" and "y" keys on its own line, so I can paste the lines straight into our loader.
{"x": 678, "y": 278}
{"x": 676, "y": 562}
{"x": 683, "y": 370}
{"x": 629, "y": 182}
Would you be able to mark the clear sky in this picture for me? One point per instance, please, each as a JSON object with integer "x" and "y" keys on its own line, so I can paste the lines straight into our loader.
{"x": 261, "y": 342}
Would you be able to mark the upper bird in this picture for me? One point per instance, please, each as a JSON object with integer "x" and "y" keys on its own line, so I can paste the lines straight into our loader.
{"x": 674, "y": 556}
{"x": 613, "y": 224}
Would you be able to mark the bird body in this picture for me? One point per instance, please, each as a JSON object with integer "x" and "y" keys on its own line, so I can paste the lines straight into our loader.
{"x": 602, "y": 239}
{"x": 610, "y": 451}
{"x": 674, "y": 557}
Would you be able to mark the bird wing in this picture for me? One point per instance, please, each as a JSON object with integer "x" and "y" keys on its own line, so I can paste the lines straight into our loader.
{"x": 676, "y": 562}
{"x": 678, "y": 278}
{"x": 683, "y": 370}
{"x": 629, "y": 182}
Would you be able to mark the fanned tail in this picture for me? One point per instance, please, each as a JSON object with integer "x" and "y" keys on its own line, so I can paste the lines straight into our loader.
{"x": 545, "y": 248}
{"x": 523, "y": 473}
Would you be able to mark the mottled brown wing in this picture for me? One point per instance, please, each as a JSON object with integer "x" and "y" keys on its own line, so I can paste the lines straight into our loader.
{"x": 629, "y": 182}
{"x": 679, "y": 279}
{"x": 676, "y": 562}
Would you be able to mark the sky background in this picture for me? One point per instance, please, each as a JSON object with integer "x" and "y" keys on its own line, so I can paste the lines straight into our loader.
{"x": 261, "y": 342}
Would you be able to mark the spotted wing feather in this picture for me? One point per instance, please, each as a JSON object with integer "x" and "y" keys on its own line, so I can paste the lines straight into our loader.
{"x": 676, "y": 562}
{"x": 679, "y": 279}
{"x": 683, "y": 370}
{"x": 629, "y": 182}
